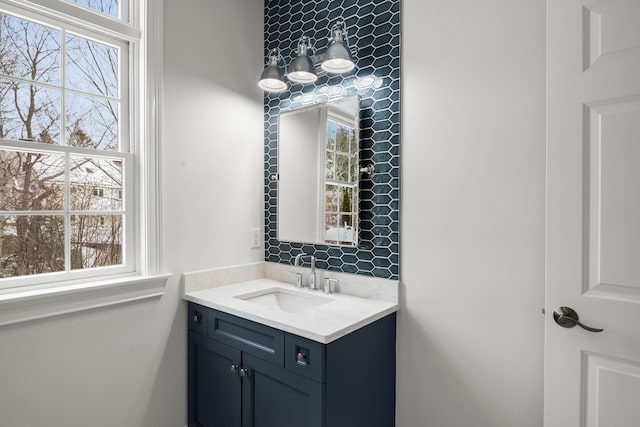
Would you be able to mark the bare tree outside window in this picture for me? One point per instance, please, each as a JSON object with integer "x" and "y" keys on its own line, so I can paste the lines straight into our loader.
{"x": 108, "y": 7}
{"x": 50, "y": 218}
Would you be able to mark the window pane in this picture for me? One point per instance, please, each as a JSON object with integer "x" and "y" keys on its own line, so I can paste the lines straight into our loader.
{"x": 92, "y": 122}
{"x": 346, "y": 221}
{"x": 29, "y": 112}
{"x": 31, "y": 245}
{"x": 331, "y": 135}
{"x": 96, "y": 241}
{"x": 342, "y": 167}
{"x": 108, "y": 7}
{"x": 353, "y": 141}
{"x": 342, "y": 138}
{"x": 96, "y": 184}
{"x": 346, "y": 198}
{"x": 330, "y": 227}
{"x": 330, "y": 165}
{"x": 331, "y": 198}
{"x": 31, "y": 181}
{"x": 91, "y": 66}
{"x": 28, "y": 50}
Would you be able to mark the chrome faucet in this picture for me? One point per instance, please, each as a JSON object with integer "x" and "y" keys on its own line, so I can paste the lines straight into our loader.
{"x": 312, "y": 277}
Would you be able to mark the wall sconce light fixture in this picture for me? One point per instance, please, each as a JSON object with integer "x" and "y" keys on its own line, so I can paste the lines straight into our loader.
{"x": 301, "y": 68}
{"x": 337, "y": 59}
{"x": 272, "y": 78}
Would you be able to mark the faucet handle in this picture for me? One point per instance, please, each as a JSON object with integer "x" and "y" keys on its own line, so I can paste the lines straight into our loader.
{"x": 329, "y": 285}
{"x": 299, "y": 279}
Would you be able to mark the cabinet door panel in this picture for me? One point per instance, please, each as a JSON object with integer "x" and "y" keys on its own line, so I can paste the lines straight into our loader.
{"x": 214, "y": 391}
{"x": 273, "y": 397}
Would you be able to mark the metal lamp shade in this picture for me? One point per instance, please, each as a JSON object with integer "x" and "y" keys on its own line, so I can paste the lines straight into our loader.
{"x": 337, "y": 59}
{"x": 272, "y": 79}
{"x": 301, "y": 70}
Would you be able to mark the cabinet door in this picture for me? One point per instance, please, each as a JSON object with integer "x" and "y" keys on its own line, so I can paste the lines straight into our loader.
{"x": 275, "y": 397}
{"x": 214, "y": 390}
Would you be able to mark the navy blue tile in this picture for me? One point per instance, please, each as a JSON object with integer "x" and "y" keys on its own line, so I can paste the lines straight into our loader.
{"x": 381, "y": 262}
{"x": 364, "y": 255}
{"x": 335, "y": 14}
{"x": 381, "y": 210}
{"x": 350, "y": 11}
{"x": 375, "y": 28}
{"x": 335, "y": 262}
{"x": 382, "y": 252}
{"x": 320, "y": 15}
{"x": 349, "y": 259}
{"x": 366, "y": 205}
{"x": 364, "y": 265}
{"x": 382, "y": 136}
{"x": 382, "y": 199}
{"x": 381, "y": 272}
{"x": 383, "y": 8}
{"x": 349, "y": 268}
{"x": 365, "y": 216}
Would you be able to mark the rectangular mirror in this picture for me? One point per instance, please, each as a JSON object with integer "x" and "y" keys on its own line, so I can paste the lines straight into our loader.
{"x": 318, "y": 173}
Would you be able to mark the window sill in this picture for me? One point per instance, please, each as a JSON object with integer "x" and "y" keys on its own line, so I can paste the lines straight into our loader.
{"x": 29, "y": 304}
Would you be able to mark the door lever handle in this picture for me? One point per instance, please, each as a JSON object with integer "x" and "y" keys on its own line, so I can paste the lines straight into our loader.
{"x": 568, "y": 318}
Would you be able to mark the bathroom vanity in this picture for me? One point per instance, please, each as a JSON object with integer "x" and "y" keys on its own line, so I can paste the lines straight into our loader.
{"x": 262, "y": 353}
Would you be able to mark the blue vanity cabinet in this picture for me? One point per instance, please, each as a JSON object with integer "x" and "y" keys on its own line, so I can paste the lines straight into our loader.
{"x": 245, "y": 374}
{"x": 272, "y": 396}
{"x": 213, "y": 387}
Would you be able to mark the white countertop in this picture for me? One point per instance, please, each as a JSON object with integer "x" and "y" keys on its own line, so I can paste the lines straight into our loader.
{"x": 323, "y": 323}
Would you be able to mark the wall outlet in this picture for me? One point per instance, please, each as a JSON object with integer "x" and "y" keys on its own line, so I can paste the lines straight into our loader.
{"x": 255, "y": 238}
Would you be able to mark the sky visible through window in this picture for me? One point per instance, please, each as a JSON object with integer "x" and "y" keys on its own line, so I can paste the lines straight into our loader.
{"x": 108, "y": 7}
{"x": 32, "y": 52}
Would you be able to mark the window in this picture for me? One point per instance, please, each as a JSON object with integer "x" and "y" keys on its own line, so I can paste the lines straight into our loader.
{"x": 66, "y": 141}
{"x": 341, "y": 180}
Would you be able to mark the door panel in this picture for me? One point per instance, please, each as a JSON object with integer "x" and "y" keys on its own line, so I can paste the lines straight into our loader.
{"x": 593, "y": 212}
{"x": 614, "y": 210}
{"x": 275, "y": 397}
{"x": 214, "y": 391}
{"x": 612, "y": 391}
{"x": 610, "y": 29}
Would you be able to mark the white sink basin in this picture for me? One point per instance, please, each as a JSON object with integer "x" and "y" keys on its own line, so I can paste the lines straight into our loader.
{"x": 284, "y": 299}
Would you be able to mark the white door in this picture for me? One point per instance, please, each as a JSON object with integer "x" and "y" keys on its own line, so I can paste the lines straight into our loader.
{"x": 592, "y": 379}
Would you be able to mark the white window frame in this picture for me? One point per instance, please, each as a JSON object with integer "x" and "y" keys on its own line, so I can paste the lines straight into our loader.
{"x": 143, "y": 280}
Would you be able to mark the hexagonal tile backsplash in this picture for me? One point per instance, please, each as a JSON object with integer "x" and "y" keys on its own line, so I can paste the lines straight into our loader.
{"x": 374, "y": 29}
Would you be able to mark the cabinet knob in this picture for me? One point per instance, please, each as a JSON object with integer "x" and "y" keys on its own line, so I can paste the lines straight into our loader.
{"x": 234, "y": 368}
{"x": 244, "y": 372}
{"x": 197, "y": 317}
{"x": 301, "y": 358}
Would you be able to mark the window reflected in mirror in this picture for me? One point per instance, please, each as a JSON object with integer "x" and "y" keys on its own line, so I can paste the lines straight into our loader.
{"x": 341, "y": 179}
{"x": 318, "y": 169}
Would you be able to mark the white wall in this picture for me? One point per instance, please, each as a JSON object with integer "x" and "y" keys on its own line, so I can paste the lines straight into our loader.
{"x": 472, "y": 243}
{"x": 214, "y": 141}
{"x": 125, "y": 366}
